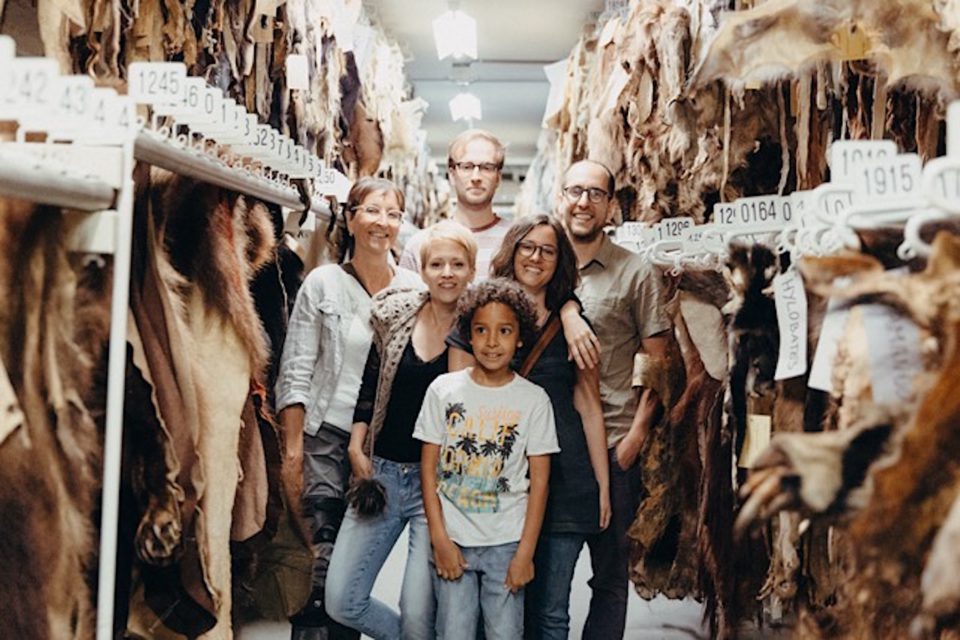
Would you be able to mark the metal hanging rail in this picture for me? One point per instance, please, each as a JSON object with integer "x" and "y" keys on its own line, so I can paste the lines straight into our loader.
{"x": 27, "y": 178}
{"x": 159, "y": 151}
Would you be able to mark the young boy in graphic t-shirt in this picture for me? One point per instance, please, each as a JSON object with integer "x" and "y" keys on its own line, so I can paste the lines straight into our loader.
{"x": 484, "y": 428}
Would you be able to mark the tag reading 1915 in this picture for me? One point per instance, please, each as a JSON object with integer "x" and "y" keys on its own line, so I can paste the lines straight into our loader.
{"x": 890, "y": 177}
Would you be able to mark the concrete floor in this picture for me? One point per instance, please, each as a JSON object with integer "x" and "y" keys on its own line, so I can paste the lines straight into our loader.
{"x": 660, "y": 619}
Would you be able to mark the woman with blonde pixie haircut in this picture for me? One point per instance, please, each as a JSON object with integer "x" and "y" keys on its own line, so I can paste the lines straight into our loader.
{"x": 408, "y": 353}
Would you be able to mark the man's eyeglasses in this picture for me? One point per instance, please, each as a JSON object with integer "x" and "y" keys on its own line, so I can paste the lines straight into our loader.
{"x": 594, "y": 194}
{"x": 527, "y": 249}
{"x": 466, "y": 168}
{"x": 393, "y": 215}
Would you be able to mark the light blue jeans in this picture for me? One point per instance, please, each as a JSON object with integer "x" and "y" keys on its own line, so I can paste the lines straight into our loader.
{"x": 362, "y": 548}
{"x": 480, "y": 590}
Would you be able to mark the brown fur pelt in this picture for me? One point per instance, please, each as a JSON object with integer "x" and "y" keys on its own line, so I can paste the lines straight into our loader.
{"x": 664, "y": 557}
{"x": 218, "y": 241}
{"x": 49, "y": 466}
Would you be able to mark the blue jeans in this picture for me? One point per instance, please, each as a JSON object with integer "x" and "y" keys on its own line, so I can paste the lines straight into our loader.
{"x": 548, "y": 596}
{"x": 363, "y": 546}
{"x": 480, "y": 590}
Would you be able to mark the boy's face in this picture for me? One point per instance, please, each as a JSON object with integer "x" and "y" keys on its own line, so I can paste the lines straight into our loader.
{"x": 494, "y": 336}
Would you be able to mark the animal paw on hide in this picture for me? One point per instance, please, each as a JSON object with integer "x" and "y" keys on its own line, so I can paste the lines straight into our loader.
{"x": 159, "y": 533}
{"x": 818, "y": 472}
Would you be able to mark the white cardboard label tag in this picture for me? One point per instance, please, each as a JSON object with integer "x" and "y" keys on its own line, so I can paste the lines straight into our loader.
{"x": 890, "y": 177}
{"x": 298, "y": 75}
{"x": 834, "y": 324}
{"x": 845, "y": 156}
{"x": 755, "y": 439}
{"x": 791, "y": 301}
{"x": 894, "y": 353}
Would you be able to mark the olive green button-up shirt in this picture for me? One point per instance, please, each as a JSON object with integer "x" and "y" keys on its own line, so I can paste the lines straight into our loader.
{"x": 622, "y": 296}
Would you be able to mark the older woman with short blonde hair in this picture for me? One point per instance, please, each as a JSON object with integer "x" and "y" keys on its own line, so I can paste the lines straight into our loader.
{"x": 408, "y": 353}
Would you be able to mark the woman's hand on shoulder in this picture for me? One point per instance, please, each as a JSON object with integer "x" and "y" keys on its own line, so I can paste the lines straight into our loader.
{"x": 582, "y": 342}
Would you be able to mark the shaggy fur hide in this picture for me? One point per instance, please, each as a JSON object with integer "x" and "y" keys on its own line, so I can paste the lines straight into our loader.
{"x": 205, "y": 249}
{"x": 665, "y": 533}
{"x": 51, "y": 338}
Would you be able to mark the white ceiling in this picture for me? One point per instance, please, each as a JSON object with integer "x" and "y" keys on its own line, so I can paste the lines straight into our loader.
{"x": 515, "y": 39}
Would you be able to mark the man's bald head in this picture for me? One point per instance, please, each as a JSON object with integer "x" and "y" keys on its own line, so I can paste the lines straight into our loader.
{"x": 611, "y": 183}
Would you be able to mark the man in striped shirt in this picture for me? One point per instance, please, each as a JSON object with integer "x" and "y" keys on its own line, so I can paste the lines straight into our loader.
{"x": 474, "y": 161}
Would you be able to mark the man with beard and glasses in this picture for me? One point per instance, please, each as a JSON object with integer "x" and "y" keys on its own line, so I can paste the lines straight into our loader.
{"x": 474, "y": 162}
{"x": 622, "y": 297}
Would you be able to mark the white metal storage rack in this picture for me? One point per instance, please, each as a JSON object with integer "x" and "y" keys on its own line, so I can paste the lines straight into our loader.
{"x": 98, "y": 131}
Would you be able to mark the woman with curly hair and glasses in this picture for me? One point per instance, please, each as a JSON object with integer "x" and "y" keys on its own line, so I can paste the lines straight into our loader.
{"x": 538, "y": 256}
{"x": 323, "y": 358}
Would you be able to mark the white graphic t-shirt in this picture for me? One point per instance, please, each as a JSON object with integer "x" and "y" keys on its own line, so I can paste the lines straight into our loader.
{"x": 485, "y": 435}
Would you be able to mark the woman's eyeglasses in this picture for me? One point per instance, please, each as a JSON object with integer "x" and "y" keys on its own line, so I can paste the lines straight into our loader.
{"x": 527, "y": 249}
{"x": 393, "y": 215}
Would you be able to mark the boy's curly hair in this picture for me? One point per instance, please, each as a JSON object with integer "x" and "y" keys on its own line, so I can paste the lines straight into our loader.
{"x": 506, "y": 292}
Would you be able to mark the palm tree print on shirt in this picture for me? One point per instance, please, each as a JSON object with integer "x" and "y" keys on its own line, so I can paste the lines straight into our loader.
{"x": 474, "y": 455}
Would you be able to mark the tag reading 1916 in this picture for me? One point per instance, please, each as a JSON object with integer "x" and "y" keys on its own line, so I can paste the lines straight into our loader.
{"x": 846, "y": 156}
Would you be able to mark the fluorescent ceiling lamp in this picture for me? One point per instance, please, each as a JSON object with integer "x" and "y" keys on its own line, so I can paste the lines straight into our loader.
{"x": 456, "y": 35}
{"x": 465, "y": 106}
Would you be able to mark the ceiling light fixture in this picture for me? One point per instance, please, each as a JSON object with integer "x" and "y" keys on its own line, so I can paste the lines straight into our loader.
{"x": 456, "y": 35}
{"x": 465, "y": 106}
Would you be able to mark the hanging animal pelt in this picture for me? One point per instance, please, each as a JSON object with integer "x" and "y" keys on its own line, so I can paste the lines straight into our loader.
{"x": 209, "y": 351}
{"x": 895, "y": 478}
{"x": 737, "y": 571}
{"x": 49, "y": 441}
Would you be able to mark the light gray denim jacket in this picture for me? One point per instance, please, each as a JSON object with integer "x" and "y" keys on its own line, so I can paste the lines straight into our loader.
{"x": 313, "y": 352}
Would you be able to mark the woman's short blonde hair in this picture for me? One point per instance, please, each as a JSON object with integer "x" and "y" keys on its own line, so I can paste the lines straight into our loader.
{"x": 454, "y": 232}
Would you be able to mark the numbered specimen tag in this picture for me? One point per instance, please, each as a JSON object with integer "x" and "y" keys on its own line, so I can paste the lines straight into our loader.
{"x": 846, "y": 156}
{"x": 74, "y": 97}
{"x": 831, "y": 201}
{"x": 157, "y": 83}
{"x": 671, "y": 228}
{"x": 32, "y": 83}
{"x": 758, "y": 211}
{"x": 633, "y": 231}
{"x": 941, "y": 183}
{"x": 889, "y": 178}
